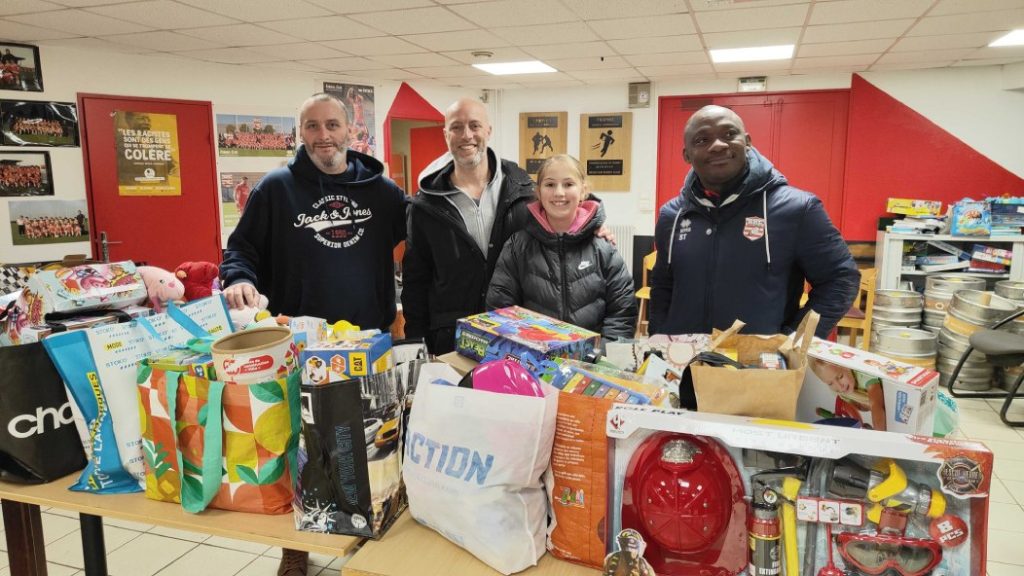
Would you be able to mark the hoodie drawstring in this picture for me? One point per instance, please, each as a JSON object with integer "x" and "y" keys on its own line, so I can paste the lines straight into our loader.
{"x": 767, "y": 244}
{"x": 672, "y": 235}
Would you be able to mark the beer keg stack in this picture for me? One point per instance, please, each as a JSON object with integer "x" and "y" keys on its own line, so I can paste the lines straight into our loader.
{"x": 938, "y": 292}
{"x": 909, "y": 345}
{"x": 1013, "y": 291}
{"x": 895, "y": 309}
{"x": 968, "y": 312}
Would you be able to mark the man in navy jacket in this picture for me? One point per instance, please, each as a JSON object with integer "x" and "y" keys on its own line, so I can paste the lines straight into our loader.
{"x": 739, "y": 242}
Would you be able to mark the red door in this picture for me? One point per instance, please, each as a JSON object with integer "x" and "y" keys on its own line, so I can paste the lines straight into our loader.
{"x": 802, "y": 133}
{"x": 425, "y": 145}
{"x": 162, "y": 231}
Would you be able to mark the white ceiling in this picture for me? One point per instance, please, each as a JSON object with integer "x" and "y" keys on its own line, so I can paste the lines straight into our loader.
{"x": 588, "y": 41}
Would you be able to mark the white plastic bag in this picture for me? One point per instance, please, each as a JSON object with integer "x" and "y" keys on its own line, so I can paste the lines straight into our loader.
{"x": 474, "y": 465}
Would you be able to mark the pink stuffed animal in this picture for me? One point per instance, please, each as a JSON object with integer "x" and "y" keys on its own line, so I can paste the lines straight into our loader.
{"x": 162, "y": 286}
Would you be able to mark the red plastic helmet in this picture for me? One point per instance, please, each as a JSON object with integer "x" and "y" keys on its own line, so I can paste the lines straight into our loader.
{"x": 503, "y": 376}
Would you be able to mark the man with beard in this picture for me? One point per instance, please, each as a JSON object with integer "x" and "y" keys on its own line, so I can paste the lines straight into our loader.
{"x": 317, "y": 238}
{"x": 739, "y": 242}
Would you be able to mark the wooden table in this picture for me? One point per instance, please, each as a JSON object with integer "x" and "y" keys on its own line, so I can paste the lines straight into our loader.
{"x": 23, "y": 523}
{"x": 410, "y": 549}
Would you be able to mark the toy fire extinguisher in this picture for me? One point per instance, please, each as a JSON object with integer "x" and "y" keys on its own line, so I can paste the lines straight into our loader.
{"x": 764, "y": 535}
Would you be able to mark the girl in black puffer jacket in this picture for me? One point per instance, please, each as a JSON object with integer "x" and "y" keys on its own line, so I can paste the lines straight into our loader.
{"x": 556, "y": 266}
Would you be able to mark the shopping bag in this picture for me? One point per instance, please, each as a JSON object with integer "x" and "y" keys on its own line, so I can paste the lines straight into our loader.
{"x": 754, "y": 392}
{"x": 38, "y": 439}
{"x": 473, "y": 467}
{"x": 235, "y": 446}
{"x": 98, "y": 366}
{"x": 350, "y": 456}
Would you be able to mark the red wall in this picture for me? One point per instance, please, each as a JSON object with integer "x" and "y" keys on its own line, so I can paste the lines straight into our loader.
{"x": 892, "y": 151}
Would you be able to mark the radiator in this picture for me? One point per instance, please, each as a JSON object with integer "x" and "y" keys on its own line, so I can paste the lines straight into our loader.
{"x": 624, "y": 243}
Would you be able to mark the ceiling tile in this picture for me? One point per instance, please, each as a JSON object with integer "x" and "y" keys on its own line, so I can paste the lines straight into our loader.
{"x": 921, "y": 43}
{"x": 591, "y": 63}
{"x": 974, "y": 22}
{"x": 414, "y": 21}
{"x": 687, "y": 43}
{"x": 909, "y": 66}
{"x": 846, "y": 11}
{"x": 97, "y": 44}
{"x": 164, "y": 41}
{"x": 710, "y": 5}
{"x": 604, "y": 9}
{"x": 353, "y": 63}
{"x": 461, "y": 71}
{"x": 681, "y": 69}
{"x": 668, "y": 25}
{"x": 498, "y": 55}
{"x": 78, "y": 22}
{"x": 291, "y": 65}
{"x": 487, "y": 81}
{"x": 864, "y": 60}
{"x": 547, "y": 78}
{"x": 753, "y": 68}
{"x": 749, "y": 38}
{"x": 514, "y": 12}
{"x": 616, "y": 75}
{"x": 8, "y": 7}
{"x": 668, "y": 59}
{"x": 18, "y": 32}
{"x": 465, "y": 40}
{"x": 388, "y": 74}
{"x": 240, "y": 35}
{"x": 546, "y": 34}
{"x": 856, "y": 31}
{"x": 260, "y": 10}
{"x": 927, "y": 56}
{"x": 374, "y": 46}
{"x": 843, "y": 48}
{"x": 752, "y": 18}
{"x": 325, "y": 28}
{"x": 163, "y": 14}
{"x": 344, "y": 7}
{"x": 225, "y": 55}
{"x": 299, "y": 51}
{"x": 969, "y": 6}
{"x": 997, "y": 52}
{"x": 84, "y": 3}
{"x": 414, "y": 60}
{"x": 989, "y": 61}
{"x": 581, "y": 50}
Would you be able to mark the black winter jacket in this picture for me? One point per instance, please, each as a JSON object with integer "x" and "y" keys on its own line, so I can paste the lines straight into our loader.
{"x": 575, "y": 277}
{"x": 748, "y": 259}
{"x": 445, "y": 274}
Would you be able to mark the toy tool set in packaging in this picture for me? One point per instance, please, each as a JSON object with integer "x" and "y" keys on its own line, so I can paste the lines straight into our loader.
{"x": 508, "y": 333}
{"x": 715, "y": 495}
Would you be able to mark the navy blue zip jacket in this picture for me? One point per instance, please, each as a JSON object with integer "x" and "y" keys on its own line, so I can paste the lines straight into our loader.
{"x": 748, "y": 257}
{"x": 321, "y": 244}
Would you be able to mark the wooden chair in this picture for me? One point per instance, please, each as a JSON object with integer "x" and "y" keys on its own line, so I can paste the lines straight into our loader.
{"x": 644, "y": 295}
{"x": 858, "y": 319}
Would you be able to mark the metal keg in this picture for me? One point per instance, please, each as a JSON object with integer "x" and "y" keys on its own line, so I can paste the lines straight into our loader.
{"x": 895, "y": 309}
{"x": 939, "y": 289}
{"x": 907, "y": 345}
{"x": 1005, "y": 377}
{"x": 980, "y": 308}
{"x": 1011, "y": 290}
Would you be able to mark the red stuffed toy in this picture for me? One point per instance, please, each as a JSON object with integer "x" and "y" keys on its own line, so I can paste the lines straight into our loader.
{"x": 199, "y": 279}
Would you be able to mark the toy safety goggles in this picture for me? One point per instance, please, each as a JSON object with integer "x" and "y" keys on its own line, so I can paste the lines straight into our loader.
{"x": 878, "y": 555}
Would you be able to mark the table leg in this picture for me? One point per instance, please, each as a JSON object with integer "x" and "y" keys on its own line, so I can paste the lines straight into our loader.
{"x": 25, "y": 549}
{"x": 94, "y": 550}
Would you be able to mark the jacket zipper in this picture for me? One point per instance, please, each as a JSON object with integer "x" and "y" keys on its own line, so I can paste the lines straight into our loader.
{"x": 564, "y": 316}
{"x": 709, "y": 300}
{"x": 455, "y": 227}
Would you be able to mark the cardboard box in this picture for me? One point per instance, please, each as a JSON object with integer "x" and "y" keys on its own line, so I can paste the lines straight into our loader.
{"x": 510, "y": 332}
{"x": 911, "y": 207}
{"x": 844, "y": 478}
{"x": 325, "y": 362}
{"x": 307, "y": 330}
{"x": 840, "y": 382}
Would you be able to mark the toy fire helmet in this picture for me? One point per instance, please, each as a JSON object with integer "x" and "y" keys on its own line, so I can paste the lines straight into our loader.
{"x": 503, "y": 376}
{"x": 684, "y": 495}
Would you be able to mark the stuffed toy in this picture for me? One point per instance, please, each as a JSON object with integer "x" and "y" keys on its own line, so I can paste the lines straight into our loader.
{"x": 161, "y": 286}
{"x": 199, "y": 278}
{"x": 243, "y": 317}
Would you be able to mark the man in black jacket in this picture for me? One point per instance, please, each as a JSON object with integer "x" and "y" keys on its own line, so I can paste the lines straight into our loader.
{"x": 469, "y": 203}
{"x": 739, "y": 242}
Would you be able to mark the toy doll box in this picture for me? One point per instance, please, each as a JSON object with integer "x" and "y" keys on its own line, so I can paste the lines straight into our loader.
{"x": 509, "y": 332}
{"x": 324, "y": 362}
{"x": 838, "y": 382}
{"x": 686, "y": 480}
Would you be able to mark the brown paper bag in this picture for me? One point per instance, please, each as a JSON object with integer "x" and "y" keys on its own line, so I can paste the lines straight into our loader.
{"x": 755, "y": 392}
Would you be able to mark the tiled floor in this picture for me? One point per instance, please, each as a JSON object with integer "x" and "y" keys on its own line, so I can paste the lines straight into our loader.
{"x": 141, "y": 550}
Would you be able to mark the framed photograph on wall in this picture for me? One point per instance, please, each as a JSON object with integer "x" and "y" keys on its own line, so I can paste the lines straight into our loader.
{"x": 28, "y": 123}
{"x": 20, "y": 68}
{"x": 25, "y": 174}
{"x": 48, "y": 222}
